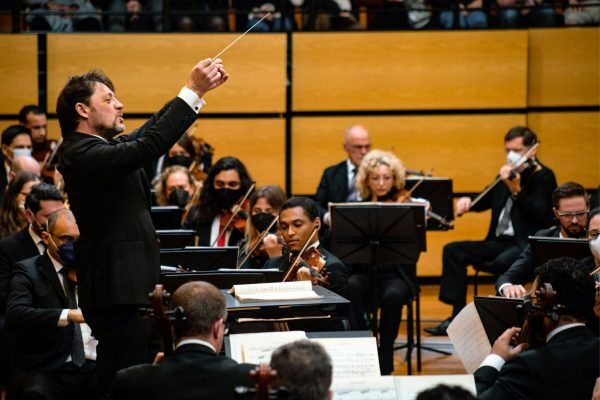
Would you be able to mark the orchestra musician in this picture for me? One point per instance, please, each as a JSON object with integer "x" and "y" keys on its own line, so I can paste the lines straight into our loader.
{"x": 225, "y": 186}
{"x": 298, "y": 221}
{"x": 521, "y": 205}
{"x": 176, "y": 187}
{"x": 381, "y": 178}
{"x": 567, "y": 364}
{"x": 34, "y": 119}
{"x": 264, "y": 209}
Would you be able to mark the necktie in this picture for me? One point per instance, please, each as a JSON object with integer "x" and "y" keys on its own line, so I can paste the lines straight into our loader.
{"x": 503, "y": 224}
{"x": 77, "y": 351}
{"x": 352, "y": 192}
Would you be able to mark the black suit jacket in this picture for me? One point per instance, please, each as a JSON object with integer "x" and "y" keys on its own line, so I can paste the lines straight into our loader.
{"x": 564, "y": 368}
{"x": 532, "y": 208}
{"x": 339, "y": 274}
{"x": 14, "y": 248}
{"x": 35, "y": 303}
{"x": 3, "y": 178}
{"x": 192, "y": 372}
{"x": 523, "y": 269}
{"x": 333, "y": 187}
{"x": 117, "y": 253}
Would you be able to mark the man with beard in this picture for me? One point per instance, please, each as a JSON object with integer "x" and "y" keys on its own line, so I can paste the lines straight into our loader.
{"x": 570, "y": 206}
{"x": 117, "y": 253}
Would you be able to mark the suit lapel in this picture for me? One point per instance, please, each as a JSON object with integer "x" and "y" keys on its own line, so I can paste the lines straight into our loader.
{"x": 343, "y": 180}
{"x": 47, "y": 269}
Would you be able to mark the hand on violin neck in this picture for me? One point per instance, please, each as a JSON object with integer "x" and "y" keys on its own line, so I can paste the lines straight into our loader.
{"x": 502, "y": 346}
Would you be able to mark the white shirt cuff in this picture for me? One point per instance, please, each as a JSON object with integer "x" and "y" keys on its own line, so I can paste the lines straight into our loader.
{"x": 502, "y": 287}
{"x": 63, "y": 320}
{"x": 494, "y": 361}
{"x": 191, "y": 99}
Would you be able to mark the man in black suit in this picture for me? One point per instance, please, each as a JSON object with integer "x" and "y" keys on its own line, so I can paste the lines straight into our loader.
{"x": 567, "y": 364}
{"x": 570, "y": 206}
{"x": 521, "y": 205}
{"x": 298, "y": 220}
{"x": 195, "y": 370}
{"x": 338, "y": 183}
{"x": 109, "y": 193}
{"x": 50, "y": 339}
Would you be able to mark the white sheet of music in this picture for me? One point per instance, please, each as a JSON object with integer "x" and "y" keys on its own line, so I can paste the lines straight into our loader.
{"x": 352, "y": 357}
{"x": 469, "y": 339}
{"x": 298, "y": 290}
{"x": 408, "y": 387}
{"x": 255, "y": 348}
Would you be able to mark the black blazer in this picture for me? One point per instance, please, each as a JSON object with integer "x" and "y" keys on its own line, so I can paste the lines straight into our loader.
{"x": 3, "y": 178}
{"x": 14, "y": 248}
{"x": 532, "y": 208}
{"x": 192, "y": 372}
{"x": 35, "y": 303}
{"x": 333, "y": 187}
{"x": 564, "y": 368}
{"x": 523, "y": 269}
{"x": 117, "y": 253}
{"x": 339, "y": 274}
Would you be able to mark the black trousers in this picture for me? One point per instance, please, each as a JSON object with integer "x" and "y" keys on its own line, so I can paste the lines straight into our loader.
{"x": 66, "y": 383}
{"x": 394, "y": 290}
{"x": 123, "y": 340}
{"x": 457, "y": 256}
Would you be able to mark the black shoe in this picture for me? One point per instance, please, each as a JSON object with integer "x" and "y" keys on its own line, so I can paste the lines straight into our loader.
{"x": 439, "y": 330}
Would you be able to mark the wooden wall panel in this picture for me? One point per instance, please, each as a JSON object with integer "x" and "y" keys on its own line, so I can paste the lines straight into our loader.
{"x": 18, "y": 72}
{"x": 409, "y": 70}
{"x": 563, "y": 67}
{"x": 570, "y": 145}
{"x": 150, "y": 69}
{"x": 467, "y": 148}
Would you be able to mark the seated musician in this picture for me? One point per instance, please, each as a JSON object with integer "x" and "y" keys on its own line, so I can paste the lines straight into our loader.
{"x": 298, "y": 222}
{"x": 264, "y": 208}
{"x": 381, "y": 177}
{"x": 593, "y": 231}
{"x": 224, "y": 187}
{"x": 175, "y": 187}
{"x": 34, "y": 119}
{"x": 520, "y": 204}
{"x": 570, "y": 205}
{"x": 304, "y": 369}
{"x": 567, "y": 364}
{"x": 195, "y": 370}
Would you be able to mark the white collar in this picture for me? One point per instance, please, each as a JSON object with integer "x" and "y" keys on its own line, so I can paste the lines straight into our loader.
{"x": 350, "y": 166}
{"x": 315, "y": 245}
{"x": 558, "y": 330}
{"x": 57, "y": 265}
{"x": 196, "y": 341}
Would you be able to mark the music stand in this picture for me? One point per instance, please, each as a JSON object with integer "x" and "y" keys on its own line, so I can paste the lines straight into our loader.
{"x": 168, "y": 217}
{"x": 200, "y": 258}
{"x": 176, "y": 238}
{"x": 222, "y": 280}
{"x": 497, "y": 314}
{"x": 547, "y": 248}
{"x": 439, "y": 193}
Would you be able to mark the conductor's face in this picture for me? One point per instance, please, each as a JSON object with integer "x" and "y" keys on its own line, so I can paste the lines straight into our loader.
{"x": 296, "y": 227}
{"x": 105, "y": 113}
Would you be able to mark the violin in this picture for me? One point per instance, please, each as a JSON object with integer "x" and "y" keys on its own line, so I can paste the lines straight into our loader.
{"x": 263, "y": 375}
{"x": 50, "y": 160}
{"x": 535, "y": 309}
{"x": 236, "y": 217}
{"x": 309, "y": 264}
{"x": 255, "y": 250}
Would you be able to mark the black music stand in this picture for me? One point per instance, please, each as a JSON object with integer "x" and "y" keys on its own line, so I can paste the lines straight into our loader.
{"x": 200, "y": 258}
{"x": 378, "y": 234}
{"x": 547, "y": 248}
{"x": 497, "y": 314}
{"x": 439, "y": 193}
{"x": 176, "y": 238}
{"x": 168, "y": 217}
{"x": 222, "y": 280}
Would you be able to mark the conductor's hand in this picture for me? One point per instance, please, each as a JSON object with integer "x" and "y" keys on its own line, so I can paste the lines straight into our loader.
{"x": 462, "y": 205}
{"x": 206, "y": 75}
{"x": 514, "y": 291}
{"x": 75, "y": 316}
{"x": 502, "y": 345}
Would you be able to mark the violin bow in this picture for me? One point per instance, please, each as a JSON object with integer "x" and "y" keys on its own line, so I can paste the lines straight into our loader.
{"x": 236, "y": 209}
{"x": 299, "y": 257}
{"x": 259, "y": 241}
{"x": 408, "y": 194}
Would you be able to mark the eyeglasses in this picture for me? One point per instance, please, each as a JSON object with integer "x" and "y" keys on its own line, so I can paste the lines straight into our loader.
{"x": 360, "y": 147}
{"x": 567, "y": 216}
{"x": 593, "y": 235}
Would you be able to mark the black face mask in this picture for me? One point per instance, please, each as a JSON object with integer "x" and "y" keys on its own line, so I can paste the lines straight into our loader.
{"x": 262, "y": 221}
{"x": 184, "y": 161}
{"x": 227, "y": 197}
{"x": 179, "y": 197}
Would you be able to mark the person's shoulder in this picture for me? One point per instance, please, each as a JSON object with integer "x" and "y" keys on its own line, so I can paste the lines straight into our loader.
{"x": 133, "y": 379}
{"x": 16, "y": 237}
{"x": 331, "y": 259}
{"x": 334, "y": 169}
{"x": 548, "y": 232}
{"x": 28, "y": 266}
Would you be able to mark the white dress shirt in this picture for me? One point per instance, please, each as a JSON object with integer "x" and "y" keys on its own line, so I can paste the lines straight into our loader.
{"x": 196, "y": 341}
{"x": 39, "y": 243}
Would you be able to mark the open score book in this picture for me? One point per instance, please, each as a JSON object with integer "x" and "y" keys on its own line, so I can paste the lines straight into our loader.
{"x": 276, "y": 291}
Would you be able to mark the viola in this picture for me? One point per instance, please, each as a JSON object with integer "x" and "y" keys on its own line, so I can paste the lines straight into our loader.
{"x": 236, "y": 217}
{"x": 309, "y": 264}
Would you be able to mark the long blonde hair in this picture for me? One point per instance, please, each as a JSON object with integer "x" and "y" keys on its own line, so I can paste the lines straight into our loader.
{"x": 373, "y": 159}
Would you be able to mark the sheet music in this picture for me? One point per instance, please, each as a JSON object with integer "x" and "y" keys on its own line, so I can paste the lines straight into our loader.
{"x": 298, "y": 290}
{"x": 352, "y": 357}
{"x": 469, "y": 339}
{"x": 408, "y": 387}
{"x": 255, "y": 348}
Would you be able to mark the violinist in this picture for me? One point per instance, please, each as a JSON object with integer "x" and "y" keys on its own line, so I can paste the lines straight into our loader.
{"x": 176, "y": 187}
{"x": 34, "y": 119}
{"x": 521, "y": 205}
{"x": 264, "y": 208}
{"x": 225, "y": 186}
{"x": 567, "y": 363}
{"x": 181, "y": 153}
{"x": 381, "y": 177}
{"x": 298, "y": 221}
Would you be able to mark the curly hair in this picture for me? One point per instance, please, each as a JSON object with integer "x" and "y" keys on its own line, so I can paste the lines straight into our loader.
{"x": 161, "y": 185}
{"x": 373, "y": 159}
{"x": 573, "y": 285}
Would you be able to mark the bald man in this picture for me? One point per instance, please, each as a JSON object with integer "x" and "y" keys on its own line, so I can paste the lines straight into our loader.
{"x": 25, "y": 163}
{"x": 338, "y": 183}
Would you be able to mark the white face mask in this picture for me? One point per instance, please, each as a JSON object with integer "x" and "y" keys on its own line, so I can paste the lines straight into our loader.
{"x": 21, "y": 153}
{"x": 22, "y": 205}
{"x": 595, "y": 247}
{"x": 513, "y": 157}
